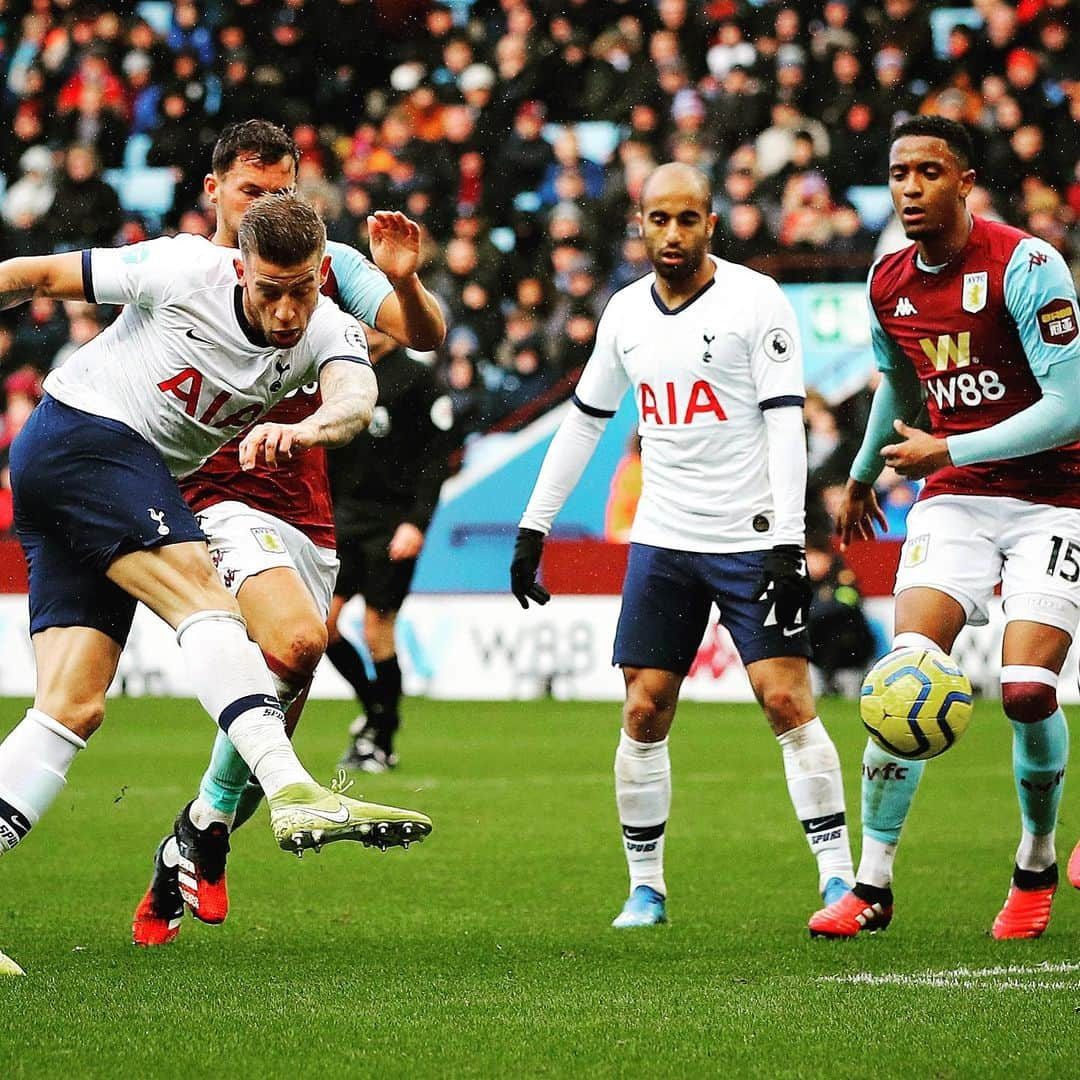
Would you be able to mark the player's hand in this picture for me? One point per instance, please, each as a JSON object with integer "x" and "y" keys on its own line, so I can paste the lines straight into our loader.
{"x": 273, "y": 444}
{"x": 395, "y": 244}
{"x": 919, "y": 455}
{"x": 406, "y": 542}
{"x": 526, "y": 562}
{"x": 858, "y": 514}
{"x": 784, "y": 584}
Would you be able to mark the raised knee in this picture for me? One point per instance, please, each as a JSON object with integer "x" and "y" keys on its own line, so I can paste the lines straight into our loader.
{"x": 304, "y": 650}
{"x": 644, "y": 716}
{"x": 1028, "y": 702}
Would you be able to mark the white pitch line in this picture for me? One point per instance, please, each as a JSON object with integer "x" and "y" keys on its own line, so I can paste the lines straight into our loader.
{"x": 1003, "y": 977}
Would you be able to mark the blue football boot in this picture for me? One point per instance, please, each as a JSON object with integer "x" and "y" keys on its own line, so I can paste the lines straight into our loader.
{"x": 834, "y": 888}
{"x": 645, "y": 907}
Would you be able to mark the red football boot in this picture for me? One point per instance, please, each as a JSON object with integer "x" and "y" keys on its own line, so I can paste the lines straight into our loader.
{"x": 157, "y": 918}
{"x": 846, "y": 917}
{"x": 1026, "y": 913}
{"x": 202, "y": 867}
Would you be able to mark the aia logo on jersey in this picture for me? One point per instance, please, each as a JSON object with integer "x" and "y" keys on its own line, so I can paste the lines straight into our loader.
{"x": 1057, "y": 322}
{"x": 187, "y": 386}
{"x": 701, "y": 401}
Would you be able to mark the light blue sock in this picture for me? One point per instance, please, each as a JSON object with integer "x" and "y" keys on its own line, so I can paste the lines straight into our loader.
{"x": 1040, "y": 751}
{"x": 888, "y": 788}
{"x": 225, "y": 778}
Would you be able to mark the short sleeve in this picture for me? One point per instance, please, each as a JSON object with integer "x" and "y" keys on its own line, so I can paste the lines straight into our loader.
{"x": 776, "y": 362}
{"x": 334, "y": 335}
{"x": 887, "y": 356}
{"x": 1041, "y": 298}
{"x": 361, "y": 286}
{"x": 141, "y": 274}
{"x": 604, "y": 382}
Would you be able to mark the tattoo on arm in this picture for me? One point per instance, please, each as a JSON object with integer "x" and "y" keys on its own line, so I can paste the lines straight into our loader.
{"x": 349, "y": 392}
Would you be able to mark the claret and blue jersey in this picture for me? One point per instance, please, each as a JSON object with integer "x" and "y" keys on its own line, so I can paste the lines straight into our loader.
{"x": 980, "y": 333}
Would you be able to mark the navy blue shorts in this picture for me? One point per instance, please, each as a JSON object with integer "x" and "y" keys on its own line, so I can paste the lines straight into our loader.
{"x": 665, "y": 609}
{"x": 88, "y": 490}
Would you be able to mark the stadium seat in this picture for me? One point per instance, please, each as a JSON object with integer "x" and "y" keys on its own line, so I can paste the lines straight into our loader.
{"x": 873, "y": 202}
{"x": 944, "y": 19}
{"x": 158, "y": 13}
{"x": 143, "y": 191}
{"x": 135, "y": 151}
{"x": 597, "y": 139}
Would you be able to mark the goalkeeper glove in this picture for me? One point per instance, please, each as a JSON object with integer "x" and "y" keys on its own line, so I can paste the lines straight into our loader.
{"x": 523, "y": 584}
{"x": 784, "y": 584}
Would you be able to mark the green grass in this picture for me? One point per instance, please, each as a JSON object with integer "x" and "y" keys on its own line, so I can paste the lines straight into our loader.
{"x": 486, "y": 952}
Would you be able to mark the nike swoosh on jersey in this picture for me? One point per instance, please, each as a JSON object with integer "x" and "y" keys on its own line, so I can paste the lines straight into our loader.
{"x": 630, "y": 348}
{"x": 339, "y": 817}
{"x": 792, "y": 633}
{"x": 190, "y": 332}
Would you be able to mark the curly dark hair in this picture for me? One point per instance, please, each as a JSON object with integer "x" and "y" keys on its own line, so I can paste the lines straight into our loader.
{"x": 954, "y": 135}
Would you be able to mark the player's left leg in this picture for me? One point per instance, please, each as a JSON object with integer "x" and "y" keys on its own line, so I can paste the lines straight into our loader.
{"x": 1032, "y": 656}
{"x": 811, "y": 766}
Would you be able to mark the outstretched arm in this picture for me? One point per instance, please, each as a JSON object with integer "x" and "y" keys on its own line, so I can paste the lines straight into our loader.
{"x": 410, "y": 314}
{"x": 58, "y": 276}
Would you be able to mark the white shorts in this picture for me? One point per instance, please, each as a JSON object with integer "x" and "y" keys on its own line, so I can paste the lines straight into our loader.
{"x": 963, "y": 545}
{"x": 245, "y": 542}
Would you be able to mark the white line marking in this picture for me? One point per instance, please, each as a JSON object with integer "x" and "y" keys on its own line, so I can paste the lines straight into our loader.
{"x": 1003, "y": 977}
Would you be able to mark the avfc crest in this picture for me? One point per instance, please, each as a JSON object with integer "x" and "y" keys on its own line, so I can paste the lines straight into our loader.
{"x": 975, "y": 290}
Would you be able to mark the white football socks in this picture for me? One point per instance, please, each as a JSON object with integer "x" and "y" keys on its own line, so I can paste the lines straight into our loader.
{"x": 643, "y": 796}
{"x": 816, "y": 785}
{"x": 236, "y": 689}
{"x": 34, "y": 760}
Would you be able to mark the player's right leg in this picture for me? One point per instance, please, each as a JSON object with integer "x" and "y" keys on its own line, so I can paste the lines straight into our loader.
{"x": 925, "y": 618}
{"x": 664, "y": 611}
{"x": 180, "y": 585}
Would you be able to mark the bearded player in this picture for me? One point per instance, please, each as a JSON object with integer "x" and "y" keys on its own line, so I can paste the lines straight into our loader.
{"x": 711, "y": 353}
{"x": 271, "y": 531}
{"x": 981, "y": 320}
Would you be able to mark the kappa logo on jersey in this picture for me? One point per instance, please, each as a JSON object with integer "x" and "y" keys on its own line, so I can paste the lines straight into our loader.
{"x": 778, "y": 345}
{"x": 282, "y": 369}
{"x": 186, "y": 386}
{"x": 904, "y": 307}
{"x": 706, "y": 356}
{"x": 269, "y": 539}
{"x": 948, "y": 351}
{"x": 1057, "y": 322}
{"x": 1037, "y": 258}
{"x": 701, "y": 401}
{"x": 159, "y": 517}
{"x": 973, "y": 298}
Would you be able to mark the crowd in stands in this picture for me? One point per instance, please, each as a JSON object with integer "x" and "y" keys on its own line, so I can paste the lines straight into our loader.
{"x": 518, "y": 133}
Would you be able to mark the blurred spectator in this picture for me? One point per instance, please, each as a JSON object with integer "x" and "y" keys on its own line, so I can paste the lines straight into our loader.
{"x": 22, "y": 391}
{"x": 177, "y": 144}
{"x": 83, "y": 325}
{"x": 525, "y": 156}
{"x": 86, "y": 210}
{"x": 40, "y": 331}
{"x": 29, "y": 198}
{"x": 526, "y": 380}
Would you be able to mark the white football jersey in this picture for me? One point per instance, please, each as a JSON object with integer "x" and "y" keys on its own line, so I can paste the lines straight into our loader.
{"x": 702, "y": 375}
{"x": 182, "y": 365}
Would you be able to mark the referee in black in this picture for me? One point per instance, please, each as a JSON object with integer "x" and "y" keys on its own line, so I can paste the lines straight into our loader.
{"x": 385, "y": 486}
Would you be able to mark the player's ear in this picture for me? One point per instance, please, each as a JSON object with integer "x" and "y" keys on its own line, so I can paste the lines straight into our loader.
{"x": 238, "y": 266}
{"x": 712, "y": 225}
{"x": 324, "y": 270}
{"x": 967, "y": 182}
{"x": 210, "y": 186}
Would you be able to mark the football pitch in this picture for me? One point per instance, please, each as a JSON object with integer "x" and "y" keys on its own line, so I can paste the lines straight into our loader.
{"x": 486, "y": 951}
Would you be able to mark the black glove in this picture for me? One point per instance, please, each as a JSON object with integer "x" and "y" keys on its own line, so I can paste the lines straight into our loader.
{"x": 784, "y": 584}
{"x": 523, "y": 584}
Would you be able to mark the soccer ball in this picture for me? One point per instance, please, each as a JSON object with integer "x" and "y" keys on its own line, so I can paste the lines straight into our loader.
{"x": 915, "y": 703}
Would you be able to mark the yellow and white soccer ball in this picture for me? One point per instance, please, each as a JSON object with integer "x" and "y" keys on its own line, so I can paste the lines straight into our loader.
{"x": 915, "y": 703}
